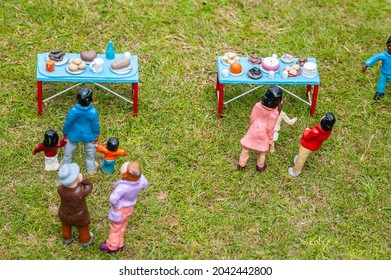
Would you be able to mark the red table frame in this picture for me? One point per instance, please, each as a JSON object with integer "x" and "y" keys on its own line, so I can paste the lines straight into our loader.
{"x": 40, "y": 101}
{"x": 312, "y": 90}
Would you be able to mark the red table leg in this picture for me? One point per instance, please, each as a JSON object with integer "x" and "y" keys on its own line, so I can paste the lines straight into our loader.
{"x": 39, "y": 97}
{"x": 135, "y": 99}
{"x": 314, "y": 98}
{"x": 220, "y": 101}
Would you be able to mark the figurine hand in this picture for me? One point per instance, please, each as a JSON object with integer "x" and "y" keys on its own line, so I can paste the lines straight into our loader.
{"x": 64, "y": 137}
{"x": 96, "y": 139}
{"x": 364, "y": 67}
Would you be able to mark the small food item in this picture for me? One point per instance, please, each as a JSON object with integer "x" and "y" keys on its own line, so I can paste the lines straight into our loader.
{"x": 287, "y": 58}
{"x": 88, "y": 56}
{"x": 120, "y": 63}
{"x": 229, "y": 58}
{"x": 254, "y": 59}
{"x": 56, "y": 55}
{"x": 77, "y": 61}
{"x": 254, "y": 73}
{"x": 236, "y": 68}
{"x": 302, "y": 60}
{"x": 82, "y": 65}
{"x": 73, "y": 67}
{"x": 293, "y": 70}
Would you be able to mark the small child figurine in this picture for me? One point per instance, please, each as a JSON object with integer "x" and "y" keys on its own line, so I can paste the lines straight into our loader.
{"x": 123, "y": 199}
{"x": 111, "y": 151}
{"x": 311, "y": 140}
{"x": 281, "y": 117}
{"x": 385, "y": 69}
{"x": 49, "y": 147}
{"x": 73, "y": 209}
{"x": 259, "y": 136}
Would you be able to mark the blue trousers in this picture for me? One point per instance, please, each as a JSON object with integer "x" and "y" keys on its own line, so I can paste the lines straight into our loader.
{"x": 89, "y": 149}
{"x": 382, "y": 82}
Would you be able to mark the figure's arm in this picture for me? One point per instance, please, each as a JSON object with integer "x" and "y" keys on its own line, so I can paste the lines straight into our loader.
{"x": 38, "y": 149}
{"x": 286, "y": 119}
{"x": 308, "y": 134}
{"x": 69, "y": 120}
{"x": 87, "y": 186}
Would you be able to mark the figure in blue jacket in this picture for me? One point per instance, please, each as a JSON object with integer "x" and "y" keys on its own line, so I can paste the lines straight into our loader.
{"x": 82, "y": 125}
{"x": 385, "y": 69}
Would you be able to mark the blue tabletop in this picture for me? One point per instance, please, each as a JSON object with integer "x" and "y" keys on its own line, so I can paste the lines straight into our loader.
{"x": 278, "y": 80}
{"x": 60, "y": 74}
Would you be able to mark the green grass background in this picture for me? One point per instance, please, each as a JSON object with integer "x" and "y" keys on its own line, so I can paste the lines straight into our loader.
{"x": 198, "y": 206}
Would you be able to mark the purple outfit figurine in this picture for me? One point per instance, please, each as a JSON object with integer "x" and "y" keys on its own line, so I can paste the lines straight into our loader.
{"x": 259, "y": 136}
{"x": 385, "y": 69}
{"x": 123, "y": 199}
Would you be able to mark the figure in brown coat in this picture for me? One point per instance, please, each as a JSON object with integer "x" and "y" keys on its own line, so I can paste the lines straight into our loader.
{"x": 73, "y": 209}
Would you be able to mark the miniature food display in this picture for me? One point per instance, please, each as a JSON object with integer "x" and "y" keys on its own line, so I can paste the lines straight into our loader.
{"x": 236, "y": 68}
{"x": 56, "y": 55}
{"x": 88, "y": 56}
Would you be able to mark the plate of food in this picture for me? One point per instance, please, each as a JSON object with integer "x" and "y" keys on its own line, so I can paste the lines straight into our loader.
{"x": 229, "y": 58}
{"x": 255, "y": 73}
{"x": 293, "y": 70}
{"x": 254, "y": 59}
{"x": 121, "y": 66}
{"x": 58, "y": 56}
{"x": 74, "y": 68}
{"x": 287, "y": 58}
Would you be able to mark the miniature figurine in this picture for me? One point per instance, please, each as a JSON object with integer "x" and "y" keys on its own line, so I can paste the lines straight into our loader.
{"x": 111, "y": 151}
{"x": 49, "y": 147}
{"x": 73, "y": 210}
{"x": 123, "y": 199}
{"x": 281, "y": 117}
{"x": 82, "y": 125}
{"x": 311, "y": 140}
{"x": 385, "y": 69}
{"x": 259, "y": 136}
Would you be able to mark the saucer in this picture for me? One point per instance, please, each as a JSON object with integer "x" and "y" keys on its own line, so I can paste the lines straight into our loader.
{"x": 241, "y": 73}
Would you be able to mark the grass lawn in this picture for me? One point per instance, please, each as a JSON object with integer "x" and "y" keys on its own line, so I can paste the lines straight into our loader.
{"x": 198, "y": 206}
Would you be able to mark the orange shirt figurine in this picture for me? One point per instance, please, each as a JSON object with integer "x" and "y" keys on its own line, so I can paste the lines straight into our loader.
{"x": 111, "y": 152}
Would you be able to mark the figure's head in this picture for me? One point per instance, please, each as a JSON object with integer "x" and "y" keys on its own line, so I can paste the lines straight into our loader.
{"x": 130, "y": 171}
{"x": 51, "y": 138}
{"x": 112, "y": 144}
{"x": 272, "y": 97}
{"x": 84, "y": 96}
{"x": 327, "y": 121}
{"x": 68, "y": 174}
{"x": 389, "y": 45}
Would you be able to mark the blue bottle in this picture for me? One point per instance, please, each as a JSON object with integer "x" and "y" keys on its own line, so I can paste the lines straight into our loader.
{"x": 110, "y": 53}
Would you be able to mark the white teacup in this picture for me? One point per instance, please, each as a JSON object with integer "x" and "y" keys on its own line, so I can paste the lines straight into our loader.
{"x": 126, "y": 54}
{"x": 97, "y": 65}
{"x": 225, "y": 72}
{"x": 271, "y": 74}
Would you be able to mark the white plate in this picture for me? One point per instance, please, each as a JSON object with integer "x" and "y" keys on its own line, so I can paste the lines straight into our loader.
{"x": 241, "y": 73}
{"x": 58, "y": 63}
{"x": 122, "y": 71}
{"x": 74, "y": 72}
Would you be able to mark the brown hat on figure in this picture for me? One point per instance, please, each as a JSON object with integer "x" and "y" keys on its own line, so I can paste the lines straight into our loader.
{"x": 131, "y": 171}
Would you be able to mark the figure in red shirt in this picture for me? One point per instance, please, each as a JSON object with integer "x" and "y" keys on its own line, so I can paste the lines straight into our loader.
{"x": 311, "y": 140}
{"x": 49, "y": 147}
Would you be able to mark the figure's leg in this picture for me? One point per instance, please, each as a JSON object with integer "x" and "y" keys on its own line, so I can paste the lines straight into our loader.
{"x": 261, "y": 162}
{"x": 381, "y": 86}
{"x": 85, "y": 236}
{"x": 301, "y": 159}
{"x": 69, "y": 149}
{"x": 67, "y": 233}
{"x": 126, "y": 212}
{"x": 244, "y": 155}
{"x": 90, "y": 150}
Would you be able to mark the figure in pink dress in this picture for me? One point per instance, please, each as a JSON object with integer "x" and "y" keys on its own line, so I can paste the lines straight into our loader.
{"x": 259, "y": 136}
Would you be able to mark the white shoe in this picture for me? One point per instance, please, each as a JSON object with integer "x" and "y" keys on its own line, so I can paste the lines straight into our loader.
{"x": 295, "y": 159}
{"x": 291, "y": 172}
{"x": 92, "y": 172}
